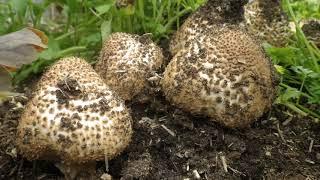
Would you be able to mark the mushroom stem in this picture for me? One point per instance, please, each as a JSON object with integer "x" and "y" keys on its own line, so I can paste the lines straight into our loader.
{"x": 81, "y": 170}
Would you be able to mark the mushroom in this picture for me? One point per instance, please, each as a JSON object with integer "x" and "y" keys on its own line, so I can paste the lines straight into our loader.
{"x": 223, "y": 74}
{"x": 267, "y": 21}
{"x": 73, "y": 118}
{"x": 213, "y": 13}
{"x": 127, "y": 61}
{"x": 311, "y": 28}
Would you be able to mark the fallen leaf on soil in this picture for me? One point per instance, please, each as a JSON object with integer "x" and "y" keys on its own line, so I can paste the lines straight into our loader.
{"x": 21, "y": 47}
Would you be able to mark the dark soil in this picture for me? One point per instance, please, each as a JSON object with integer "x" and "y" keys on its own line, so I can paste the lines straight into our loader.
{"x": 169, "y": 144}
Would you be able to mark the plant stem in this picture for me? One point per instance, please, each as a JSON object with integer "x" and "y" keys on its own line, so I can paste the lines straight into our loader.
{"x": 71, "y": 50}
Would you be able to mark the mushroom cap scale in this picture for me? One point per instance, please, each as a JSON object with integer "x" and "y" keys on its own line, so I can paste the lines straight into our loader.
{"x": 73, "y": 116}
{"x": 127, "y": 61}
{"x": 223, "y": 74}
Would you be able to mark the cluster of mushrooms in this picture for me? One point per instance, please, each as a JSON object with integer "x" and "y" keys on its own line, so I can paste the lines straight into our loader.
{"x": 77, "y": 114}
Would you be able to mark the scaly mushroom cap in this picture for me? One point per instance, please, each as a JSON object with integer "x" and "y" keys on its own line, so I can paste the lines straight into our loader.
{"x": 267, "y": 21}
{"x": 127, "y": 61}
{"x": 223, "y": 74}
{"x": 311, "y": 28}
{"x": 208, "y": 16}
{"x": 73, "y": 116}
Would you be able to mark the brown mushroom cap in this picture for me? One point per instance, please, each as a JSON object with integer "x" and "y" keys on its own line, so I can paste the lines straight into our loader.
{"x": 127, "y": 61}
{"x": 73, "y": 116}
{"x": 222, "y": 74}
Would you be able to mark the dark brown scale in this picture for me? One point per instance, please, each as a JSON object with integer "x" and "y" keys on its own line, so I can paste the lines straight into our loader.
{"x": 227, "y": 93}
{"x": 67, "y": 124}
{"x": 75, "y": 116}
{"x": 215, "y": 90}
{"x": 65, "y": 141}
{"x": 41, "y": 110}
{"x": 60, "y": 107}
{"x": 51, "y": 110}
{"x": 36, "y": 132}
{"x": 224, "y": 84}
{"x": 79, "y": 125}
{"x": 74, "y": 135}
{"x": 219, "y": 99}
{"x": 27, "y": 136}
{"x": 84, "y": 146}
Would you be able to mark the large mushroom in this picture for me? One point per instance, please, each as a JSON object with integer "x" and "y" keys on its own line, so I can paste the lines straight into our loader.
{"x": 127, "y": 61}
{"x": 223, "y": 74}
{"x": 73, "y": 118}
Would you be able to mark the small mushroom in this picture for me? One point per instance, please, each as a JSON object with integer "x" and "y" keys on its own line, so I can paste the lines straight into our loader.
{"x": 311, "y": 28}
{"x": 73, "y": 119}
{"x": 208, "y": 16}
{"x": 223, "y": 74}
{"x": 127, "y": 61}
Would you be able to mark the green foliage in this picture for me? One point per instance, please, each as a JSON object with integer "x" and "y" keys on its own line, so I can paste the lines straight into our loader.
{"x": 305, "y": 9}
{"x": 299, "y": 62}
{"x": 78, "y": 27}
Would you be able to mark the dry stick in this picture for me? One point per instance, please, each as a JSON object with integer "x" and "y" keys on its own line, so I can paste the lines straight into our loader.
{"x": 311, "y": 145}
{"x": 280, "y": 133}
{"x": 224, "y": 163}
{"x": 287, "y": 121}
{"x": 168, "y": 130}
{"x": 106, "y": 162}
{"x": 236, "y": 171}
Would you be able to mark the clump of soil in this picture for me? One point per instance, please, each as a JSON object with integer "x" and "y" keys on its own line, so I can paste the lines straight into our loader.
{"x": 168, "y": 143}
{"x": 68, "y": 89}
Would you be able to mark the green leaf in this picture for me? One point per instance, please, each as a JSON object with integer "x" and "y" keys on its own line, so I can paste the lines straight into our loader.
{"x": 289, "y": 94}
{"x": 102, "y": 9}
{"x": 52, "y": 51}
{"x": 105, "y": 29}
{"x": 20, "y": 6}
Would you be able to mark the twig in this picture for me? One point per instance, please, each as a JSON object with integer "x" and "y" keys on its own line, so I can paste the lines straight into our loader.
{"x": 168, "y": 130}
{"x": 287, "y": 121}
{"x": 311, "y": 145}
{"x": 280, "y": 133}
{"x": 309, "y": 161}
{"x": 106, "y": 162}
{"x": 224, "y": 163}
{"x": 236, "y": 171}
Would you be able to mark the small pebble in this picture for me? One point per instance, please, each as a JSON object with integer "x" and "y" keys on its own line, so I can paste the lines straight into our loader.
{"x": 268, "y": 153}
